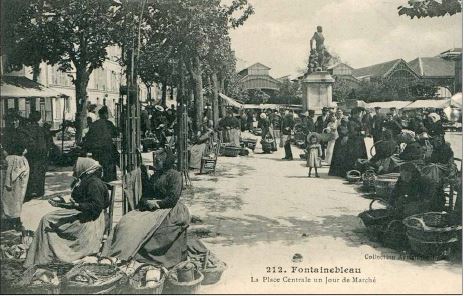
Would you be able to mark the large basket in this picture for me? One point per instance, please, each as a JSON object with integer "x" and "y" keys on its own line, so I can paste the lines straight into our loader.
{"x": 436, "y": 250}
{"x": 385, "y": 184}
{"x": 94, "y": 279}
{"x": 418, "y": 229}
{"x": 137, "y": 285}
{"x": 394, "y": 235}
{"x": 173, "y": 286}
{"x": 214, "y": 274}
{"x": 353, "y": 176}
{"x": 232, "y": 151}
{"x": 376, "y": 221}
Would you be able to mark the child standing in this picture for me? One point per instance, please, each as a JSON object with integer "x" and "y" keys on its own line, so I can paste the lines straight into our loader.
{"x": 314, "y": 154}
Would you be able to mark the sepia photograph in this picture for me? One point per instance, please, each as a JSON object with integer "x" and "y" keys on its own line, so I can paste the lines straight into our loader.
{"x": 231, "y": 147}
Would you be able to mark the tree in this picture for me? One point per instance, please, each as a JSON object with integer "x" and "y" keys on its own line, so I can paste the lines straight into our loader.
{"x": 75, "y": 36}
{"x": 430, "y": 8}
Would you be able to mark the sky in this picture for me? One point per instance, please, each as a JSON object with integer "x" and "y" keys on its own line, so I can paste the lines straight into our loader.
{"x": 361, "y": 32}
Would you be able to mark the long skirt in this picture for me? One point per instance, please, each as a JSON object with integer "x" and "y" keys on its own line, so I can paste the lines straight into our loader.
{"x": 329, "y": 151}
{"x": 232, "y": 136}
{"x": 36, "y": 183}
{"x": 356, "y": 149}
{"x": 158, "y": 237}
{"x": 62, "y": 236}
{"x": 196, "y": 153}
{"x": 339, "y": 165}
{"x": 14, "y": 189}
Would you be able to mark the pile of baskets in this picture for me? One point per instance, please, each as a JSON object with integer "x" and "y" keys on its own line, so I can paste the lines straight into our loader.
{"x": 369, "y": 177}
{"x": 431, "y": 234}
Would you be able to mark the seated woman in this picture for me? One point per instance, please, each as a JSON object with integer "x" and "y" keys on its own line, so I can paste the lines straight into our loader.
{"x": 157, "y": 230}
{"x": 76, "y": 230}
{"x": 414, "y": 193}
{"x": 200, "y": 142}
{"x": 385, "y": 161}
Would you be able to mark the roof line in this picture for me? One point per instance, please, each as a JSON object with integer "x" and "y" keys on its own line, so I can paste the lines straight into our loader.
{"x": 392, "y": 67}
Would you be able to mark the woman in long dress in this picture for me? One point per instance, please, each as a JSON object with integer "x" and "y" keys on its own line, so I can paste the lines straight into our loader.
{"x": 356, "y": 148}
{"x": 332, "y": 130}
{"x": 76, "y": 230}
{"x": 338, "y": 165}
{"x": 16, "y": 176}
{"x": 157, "y": 230}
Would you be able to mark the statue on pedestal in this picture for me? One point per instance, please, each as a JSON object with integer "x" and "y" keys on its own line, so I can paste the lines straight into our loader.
{"x": 319, "y": 56}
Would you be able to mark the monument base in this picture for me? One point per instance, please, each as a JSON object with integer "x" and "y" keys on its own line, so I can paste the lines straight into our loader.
{"x": 317, "y": 91}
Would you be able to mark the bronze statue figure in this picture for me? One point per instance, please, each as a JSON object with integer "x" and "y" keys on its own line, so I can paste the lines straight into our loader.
{"x": 319, "y": 55}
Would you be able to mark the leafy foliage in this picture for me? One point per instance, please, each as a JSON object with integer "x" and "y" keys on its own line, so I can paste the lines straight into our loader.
{"x": 430, "y": 8}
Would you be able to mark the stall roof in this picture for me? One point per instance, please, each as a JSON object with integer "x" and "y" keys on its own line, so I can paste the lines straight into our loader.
{"x": 389, "y": 104}
{"x": 230, "y": 101}
{"x": 22, "y": 87}
{"x": 439, "y": 104}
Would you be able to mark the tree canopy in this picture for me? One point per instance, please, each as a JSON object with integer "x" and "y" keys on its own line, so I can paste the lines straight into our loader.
{"x": 430, "y": 8}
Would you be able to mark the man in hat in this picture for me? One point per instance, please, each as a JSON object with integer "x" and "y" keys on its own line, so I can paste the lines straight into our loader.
{"x": 391, "y": 124}
{"x": 377, "y": 124}
{"x": 99, "y": 142}
{"x": 287, "y": 126}
{"x": 276, "y": 122}
{"x": 309, "y": 121}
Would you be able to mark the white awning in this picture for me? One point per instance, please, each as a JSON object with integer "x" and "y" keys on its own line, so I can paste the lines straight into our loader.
{"x": 22, "y": 87}
{"x": 437, "y": 104}
{"x": 456, "y": 100}
{"x": 230, "y": 102}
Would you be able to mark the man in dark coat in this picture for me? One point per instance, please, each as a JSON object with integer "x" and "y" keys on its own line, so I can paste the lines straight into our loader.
{"x": 287, "y": 126}
{"x": 37, "y": 156}
{"x": 392, "y": 124}
{"x": 99, "y": 142}
{"x": 377, "y": 124}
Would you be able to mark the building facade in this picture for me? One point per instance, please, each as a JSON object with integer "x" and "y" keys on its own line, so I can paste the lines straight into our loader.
{"x": 257, "y": 77}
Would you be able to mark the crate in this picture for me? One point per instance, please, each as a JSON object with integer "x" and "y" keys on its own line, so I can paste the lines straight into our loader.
{"x": 208, "y": 165}
{"x": 232, "y": 151}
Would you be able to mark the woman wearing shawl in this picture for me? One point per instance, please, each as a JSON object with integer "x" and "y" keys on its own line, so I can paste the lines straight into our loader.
{"x": 356, "y": 148}
{"x": 17, "y": 174}
{"x": 76, "y": 230}
{"x": 338, "y": 165}
{"x": 157, "y": 230}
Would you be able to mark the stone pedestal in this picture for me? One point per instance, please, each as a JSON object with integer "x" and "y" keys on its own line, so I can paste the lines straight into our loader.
{"x": 317, "y": 91}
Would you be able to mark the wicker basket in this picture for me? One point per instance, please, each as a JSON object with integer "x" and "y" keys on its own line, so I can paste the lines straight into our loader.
{"x": 394, "y": 235}
{"x": 384, "y": 185}
{"x": 419, "y": 230}
{"x": 376, "y": 221}
{"x": 214, "y": 274}
{"x": 353, "y": 176}
{"x": 437, "y": 250}
{"x": 175, "y": 287}
{"x": 232, "y": 151}
{"x": 99, "y": 279}
{"x": 136, "y": 281}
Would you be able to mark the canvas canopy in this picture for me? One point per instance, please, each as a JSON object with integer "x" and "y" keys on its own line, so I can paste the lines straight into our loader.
{"x": 389, "y": 104}
{"x": 437, "y": 104}
{"x": 22, "y": 87}
{"x": 230, "y": 102}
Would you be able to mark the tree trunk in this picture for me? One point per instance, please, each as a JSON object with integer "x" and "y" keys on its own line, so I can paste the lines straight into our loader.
{"x": 81, "y": 82}
{"x": 149, "y": 98}
{"x": 163, "y": 93}
{"x": 198, "y": 93}
{"x": 222, "y": 107}
{"x": 214, "y": 99}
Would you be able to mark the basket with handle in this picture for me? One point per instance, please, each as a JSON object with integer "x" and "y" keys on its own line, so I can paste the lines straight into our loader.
{"x": 376, "y": 221}
{"x": 417, "y": 227}
{"x": 138, "y": 282}
{"x": 174, "y": 286}
{"x": 385, "y": 184}
{"x": 353, "y": 176}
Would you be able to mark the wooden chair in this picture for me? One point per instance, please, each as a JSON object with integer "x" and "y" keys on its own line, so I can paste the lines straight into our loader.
{"x": 110, "y": 210}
